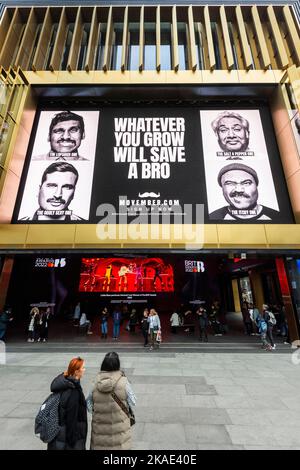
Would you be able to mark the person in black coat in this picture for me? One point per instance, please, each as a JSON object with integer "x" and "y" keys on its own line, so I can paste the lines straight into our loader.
{"x": 145, "y": 326}
{"x": 72, "y": 409}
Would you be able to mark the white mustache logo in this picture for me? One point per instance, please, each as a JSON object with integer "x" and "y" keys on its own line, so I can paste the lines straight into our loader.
{"x": 149, "y": 194}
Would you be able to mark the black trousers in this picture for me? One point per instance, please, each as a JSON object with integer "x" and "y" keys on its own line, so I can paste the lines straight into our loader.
{"x": 145, "y": 334}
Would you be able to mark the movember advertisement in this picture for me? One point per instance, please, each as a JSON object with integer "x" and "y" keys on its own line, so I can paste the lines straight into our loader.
{"x": 239, "y": 180}
{"x": 146, "y": 165}
{"x": 61, "y": 167}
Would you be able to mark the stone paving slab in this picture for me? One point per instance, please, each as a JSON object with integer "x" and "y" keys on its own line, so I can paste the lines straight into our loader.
{"x": 185, "y": 401}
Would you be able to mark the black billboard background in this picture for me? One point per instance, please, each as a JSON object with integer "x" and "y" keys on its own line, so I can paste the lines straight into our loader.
{"x": 187, "y": 180}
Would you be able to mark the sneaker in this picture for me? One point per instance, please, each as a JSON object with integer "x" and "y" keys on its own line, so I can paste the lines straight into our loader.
{"x": 39, "y": 340}
{"x": 286, "y": 342}
{"x": 29, "y": 340}
{"x": 44, "y": 340}
{"x": 151, "y": 348}
{"x": 274, "y": 347}
{"x": 89, "y": 332}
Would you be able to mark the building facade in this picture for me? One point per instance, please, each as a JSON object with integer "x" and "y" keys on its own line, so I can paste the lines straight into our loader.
{"x": 161, "y": 139}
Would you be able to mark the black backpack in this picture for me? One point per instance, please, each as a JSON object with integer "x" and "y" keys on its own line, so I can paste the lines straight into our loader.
{"x": 47, "y": 420}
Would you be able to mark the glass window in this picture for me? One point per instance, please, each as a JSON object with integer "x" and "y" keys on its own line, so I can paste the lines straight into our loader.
{"x": 133, "y": 51}
{"x": 16, "y": 50}
{"x": 199, "y": 47}
{"x": 116, "y": 56}
{"x": 150, "y": 46}
{"x": 36, "y": 40}
{"x": 83, "y": 46}
{"x": 51, "y": 45}
{"x": 182, "y": 47}
{"x": 64, "y": 61}
{"x": 216, "y": 45}
{"x": 235, "y": 59}
{"x": 100, "y": 47}
{"x": 165, "y": 46}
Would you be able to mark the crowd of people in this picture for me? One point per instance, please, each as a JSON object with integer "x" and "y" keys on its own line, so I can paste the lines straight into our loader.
{"x": 149, "y": 323}
{"x": 38, "y": 324}
{"x": 110, "y": 403}
{"x": 204, "y": 320}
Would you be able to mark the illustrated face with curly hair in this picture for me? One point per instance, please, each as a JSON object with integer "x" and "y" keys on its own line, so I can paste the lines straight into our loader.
{"x": 232, "y": 135}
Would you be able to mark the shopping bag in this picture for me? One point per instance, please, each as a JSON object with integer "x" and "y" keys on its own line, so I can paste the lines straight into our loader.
{"x": 158, "y": 337}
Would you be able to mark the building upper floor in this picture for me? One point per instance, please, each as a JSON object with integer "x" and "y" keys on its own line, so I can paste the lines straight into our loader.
{"x": 62, "y": 36}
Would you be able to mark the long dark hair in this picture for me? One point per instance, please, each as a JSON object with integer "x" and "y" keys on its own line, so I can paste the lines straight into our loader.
{"x": 111, "y": 362}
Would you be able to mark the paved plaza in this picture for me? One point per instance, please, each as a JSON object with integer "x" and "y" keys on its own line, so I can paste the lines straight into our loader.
{"x": 189, "y": 399}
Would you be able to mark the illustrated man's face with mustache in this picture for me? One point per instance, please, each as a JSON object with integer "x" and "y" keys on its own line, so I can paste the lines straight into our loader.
{"x": 57, "y": 191}
{"x": 232, "y": 136}
{"x": 239, "y": 189}
{"x": 66, "y": 136}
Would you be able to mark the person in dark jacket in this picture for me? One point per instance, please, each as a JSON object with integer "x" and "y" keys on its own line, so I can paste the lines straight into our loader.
{"x": 5, "y": 318}
{"x": 203, "y": 323}
{"x": 145, "y": 326}
{"x": 72, "y": 408}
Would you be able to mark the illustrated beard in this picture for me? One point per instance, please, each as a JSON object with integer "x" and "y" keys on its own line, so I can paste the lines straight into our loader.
{"x": 243, "y": 147}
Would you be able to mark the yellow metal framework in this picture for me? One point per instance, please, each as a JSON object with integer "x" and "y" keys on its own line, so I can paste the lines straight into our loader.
{"x": 37, "y": 38}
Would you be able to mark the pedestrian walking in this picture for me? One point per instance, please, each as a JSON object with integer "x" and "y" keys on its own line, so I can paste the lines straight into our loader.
{"x": 203, "y": 323}
{"x": 5, "y": 318}
{"x": 72, "y": 408}
{"x": 271, "y": 322}
{"x": 85, "y": 323}
{"x": 44, "y": 325}
{"x": 116, "y": 323}
{"x": 33, "y": 324}
{"x": 175, "y": 322}
{"x": 110, "y": 403}
{"x": 104, "y": 323}
{"x": 246, "y": 318}
{"x": 145, "y": 326}
{"x": 77, "y": 313}
{"x": 262, "y": 328}
{"x": 154, "y": 328}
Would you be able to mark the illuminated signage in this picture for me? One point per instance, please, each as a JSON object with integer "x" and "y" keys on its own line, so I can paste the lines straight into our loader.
{"x": 194, "y": 266}
{"x": 50, "y": 263}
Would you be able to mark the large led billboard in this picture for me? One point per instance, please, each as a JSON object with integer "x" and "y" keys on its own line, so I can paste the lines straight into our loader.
{"x": 131, "y": 163}
{"x": 126, "y": 275}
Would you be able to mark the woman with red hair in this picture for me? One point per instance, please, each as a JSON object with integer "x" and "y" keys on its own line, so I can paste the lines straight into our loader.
{"x": 72, "y": 408}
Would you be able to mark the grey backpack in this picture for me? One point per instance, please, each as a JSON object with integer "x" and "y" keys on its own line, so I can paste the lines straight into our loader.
{"x": 47, "y": 420}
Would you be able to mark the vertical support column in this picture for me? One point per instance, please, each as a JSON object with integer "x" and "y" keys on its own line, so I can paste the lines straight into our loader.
{"x": 258, "y": 292}
{"x": 108, "y": 41}
{"x": 209, "y": 38}
{"x": 76, "y": 42}
{"x": 158, "y": 64}
{"x": 260, "y": 38}
{"x": 292, "y": 31}
{"x": 226, "y": 39}
{"x": 27, "y": 42}
{"x": 283, "y": 58}
{"x": 141, "y": 40}
{"x": 287, "y": 300}
{"x": 92, "y": 44}
{"x": 192, "y": 41}
{"x": 59, "y": 44}
{"x": 125, "y": 41}
{"x": 42, "y": 45}
{"x": 175, "y": 55}
{"x": 243, "y": 37}
{"x": 5, "y": 279}
{"x": 236, "y": 295}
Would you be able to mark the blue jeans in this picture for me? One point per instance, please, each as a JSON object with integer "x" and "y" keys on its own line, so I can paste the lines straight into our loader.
{"x": 116, "y": 330}
{"x": 104, "y": 328}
